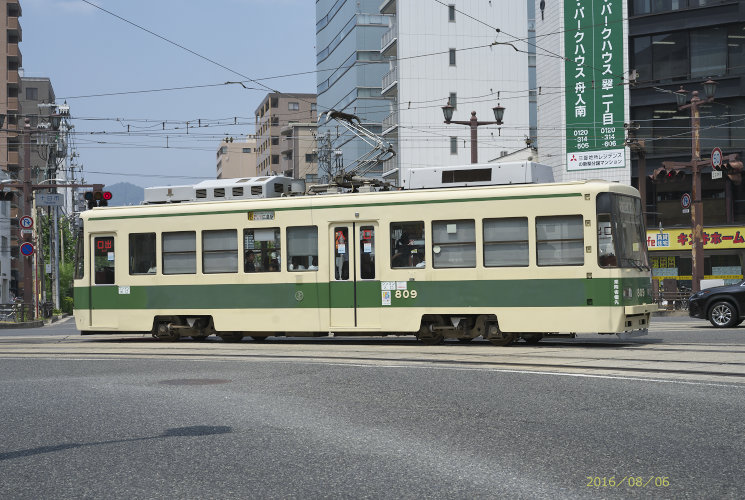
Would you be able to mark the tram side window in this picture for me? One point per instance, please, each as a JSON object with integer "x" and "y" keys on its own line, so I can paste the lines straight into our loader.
{"x": 560, "y": 240}
{"x": 103, "y": 260}
{"x": 302, "y": 248}
{"x": 453, "y": 243}
{"x": 262, "y": 250}
{"x": 407, "y": 244}
{"x": 180, "y": 252}
{"x": 142, "y": 254}
{"x": 220, "y": 251}
{"x": 506, "y": 242}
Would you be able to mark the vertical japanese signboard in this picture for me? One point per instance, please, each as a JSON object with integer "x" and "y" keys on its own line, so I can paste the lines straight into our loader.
{"x": 593, "y": 68}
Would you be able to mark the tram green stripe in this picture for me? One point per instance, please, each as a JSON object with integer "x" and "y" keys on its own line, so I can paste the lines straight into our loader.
{"x": 344, "y": 205}
{"x": 456, "y": 294}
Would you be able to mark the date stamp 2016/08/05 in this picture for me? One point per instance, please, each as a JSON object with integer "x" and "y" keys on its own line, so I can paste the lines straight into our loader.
{"x": 628, "y": 482}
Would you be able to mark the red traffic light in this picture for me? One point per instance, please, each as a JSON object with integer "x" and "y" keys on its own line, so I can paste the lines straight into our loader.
{"x": 107, "y": 195}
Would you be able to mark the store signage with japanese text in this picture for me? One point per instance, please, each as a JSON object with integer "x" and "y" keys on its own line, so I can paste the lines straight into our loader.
{"x": 681, "y": 239}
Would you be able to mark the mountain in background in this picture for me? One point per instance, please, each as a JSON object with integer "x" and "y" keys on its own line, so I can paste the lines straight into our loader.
{"x": 124, "y": 193}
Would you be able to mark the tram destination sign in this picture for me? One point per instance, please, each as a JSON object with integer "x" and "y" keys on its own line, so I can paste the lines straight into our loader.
{"x": 594, "y": 90}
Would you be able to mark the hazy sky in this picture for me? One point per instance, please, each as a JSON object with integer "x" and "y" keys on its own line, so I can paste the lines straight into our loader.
{"x": 87, "y": 52}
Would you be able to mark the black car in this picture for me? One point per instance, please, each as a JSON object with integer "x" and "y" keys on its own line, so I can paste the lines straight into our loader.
{"x": 724, "y": 305}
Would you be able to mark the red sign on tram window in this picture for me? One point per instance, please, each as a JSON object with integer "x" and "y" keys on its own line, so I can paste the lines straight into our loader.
{"x": 367, "y": 234}
{"x": 104, "y": 246}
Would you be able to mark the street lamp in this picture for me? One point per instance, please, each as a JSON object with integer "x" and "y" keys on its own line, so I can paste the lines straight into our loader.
{"x": 697, "y": 207}
{"x": 447, "y": 112}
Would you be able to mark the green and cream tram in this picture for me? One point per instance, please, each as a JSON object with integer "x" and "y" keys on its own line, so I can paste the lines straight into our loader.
{"x": 502, "y": 262}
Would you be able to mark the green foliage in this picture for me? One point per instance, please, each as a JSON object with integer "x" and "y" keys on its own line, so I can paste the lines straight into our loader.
{"x": 67, "y": 305}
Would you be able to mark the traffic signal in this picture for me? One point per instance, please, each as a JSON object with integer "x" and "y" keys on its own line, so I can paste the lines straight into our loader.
{"x": 732, "y": 168}
{"x": 97, "y": 198}
{"x": 663, "y": 174}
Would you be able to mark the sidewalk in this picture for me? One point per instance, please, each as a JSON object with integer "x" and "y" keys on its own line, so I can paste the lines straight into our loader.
{"x": 32, "y": 324}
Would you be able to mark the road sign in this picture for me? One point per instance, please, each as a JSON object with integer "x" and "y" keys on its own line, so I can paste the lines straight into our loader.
{"x": 685, "y": 200}
{"x": 716, "y": 158}
{"x": 26, "y": 222}
{"x": 27, "y": 231}
{"x": 50, "y": 199}
{"x": 27, "y": 249}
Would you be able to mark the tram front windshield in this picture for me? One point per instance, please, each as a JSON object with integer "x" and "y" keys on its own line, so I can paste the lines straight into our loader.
{"x": 621, "y": 235}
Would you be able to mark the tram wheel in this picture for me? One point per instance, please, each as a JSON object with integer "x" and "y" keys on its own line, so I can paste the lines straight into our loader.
{"x": 231, "y": 337}
{"x": 259, "y": 338}
{"x": 428, "y": 337}
{"x": 164, "y": 332}
{"x": 532, "y": 338}
{"x": 498, "y": 337}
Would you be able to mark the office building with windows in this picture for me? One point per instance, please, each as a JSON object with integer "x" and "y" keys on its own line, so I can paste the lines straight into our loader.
{"x": 350, "y": 71}
{"x": 676, "y": 44}
{"x": 439, "y": 53}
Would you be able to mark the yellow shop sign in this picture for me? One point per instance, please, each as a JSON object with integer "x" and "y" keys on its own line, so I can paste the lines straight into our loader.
{"x": 715, "y": 238}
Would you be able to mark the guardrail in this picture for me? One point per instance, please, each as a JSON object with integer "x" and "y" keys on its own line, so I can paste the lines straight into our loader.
{"x": 673, "y": 301}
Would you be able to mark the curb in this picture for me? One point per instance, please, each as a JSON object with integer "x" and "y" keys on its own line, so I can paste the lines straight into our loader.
{"x": 24, "y": 324}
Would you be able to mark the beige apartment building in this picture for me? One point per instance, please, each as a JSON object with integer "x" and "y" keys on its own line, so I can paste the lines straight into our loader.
{"x": 236, "y": 158}
{"x": 10, "y": 87}
{"x": 274, "y": 113}
{"x": 298, "y": 149}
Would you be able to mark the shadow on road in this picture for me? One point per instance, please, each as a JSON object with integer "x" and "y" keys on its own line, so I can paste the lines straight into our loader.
{"x": 192, "y": 431}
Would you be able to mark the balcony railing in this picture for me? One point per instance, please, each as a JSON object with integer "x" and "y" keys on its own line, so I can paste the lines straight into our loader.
{"x": 390, "y": 121}
{"x": 389, "y": 35}
{"x": 390, "y": 78}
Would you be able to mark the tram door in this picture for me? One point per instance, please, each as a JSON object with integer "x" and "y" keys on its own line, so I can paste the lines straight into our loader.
{"x": 102, "y": 290}
{"x": 353, "y": 273}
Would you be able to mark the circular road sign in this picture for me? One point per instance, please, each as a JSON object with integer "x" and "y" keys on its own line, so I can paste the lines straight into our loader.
{"x": 685, "y": 200}
{"x": 716, "y": 158}
{"x": 26, "y": 222}
{"x": 27, "y": 249}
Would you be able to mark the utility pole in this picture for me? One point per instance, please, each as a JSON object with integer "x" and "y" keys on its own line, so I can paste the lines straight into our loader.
{"x": 28, "y": 288}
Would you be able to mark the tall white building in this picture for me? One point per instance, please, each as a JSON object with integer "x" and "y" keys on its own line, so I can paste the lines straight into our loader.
{"x": 471, "y": 52}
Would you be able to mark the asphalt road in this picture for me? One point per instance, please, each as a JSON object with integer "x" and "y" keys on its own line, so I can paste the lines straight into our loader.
{"x": 262, "y": 428}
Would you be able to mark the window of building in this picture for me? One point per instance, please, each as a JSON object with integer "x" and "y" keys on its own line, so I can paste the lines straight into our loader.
{"x": 142, "y": 254}
{"x": 736, "y": 47}
{"x": 313, "y": 106}
{"x": 407, "y": 244}
{"x": 506, "y": 242}
{"x": 707, "y": 55}
{"x": 103, "y": 260}
{"x": 452, "y": 57}
{"x": 453, "y": 243}
{"x": 560, "y": 240}
{"x": 220, "y": 251}
{"x": 670, "y": 53}
{"x": 275, "y": 159}
{"x": 275, "y": 102}
{"x": 451, "y": 13}
{"x": 275, "y": 141}
{"x": 302, "y": 248}
{"x": 293, "y": 106}
{"x": 453, "y": 145}
{"x": 180, "y": 252}
{"x": 246, "y": 150}
{"x": 311, "y": 157}
{"x": 32, "y": 94}
{"x": 262, "y": 250}
{"x": 453, "y": 100}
